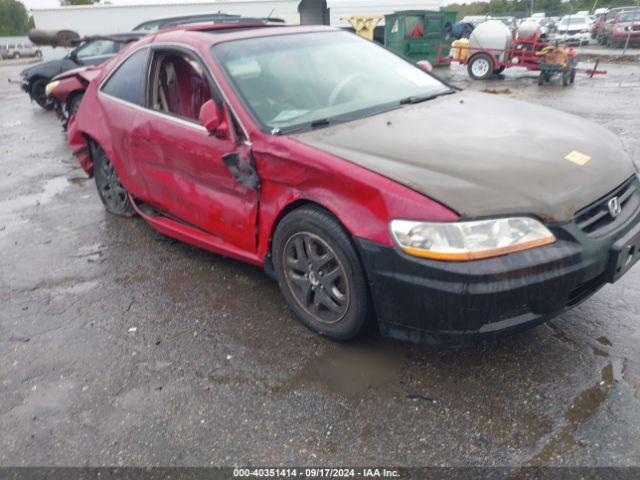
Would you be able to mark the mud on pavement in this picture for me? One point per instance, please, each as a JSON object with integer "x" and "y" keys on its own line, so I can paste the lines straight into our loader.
{"x": 120, "y": 346}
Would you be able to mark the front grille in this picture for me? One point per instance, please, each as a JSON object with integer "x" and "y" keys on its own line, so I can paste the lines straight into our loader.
{"x": 596, "y": 219}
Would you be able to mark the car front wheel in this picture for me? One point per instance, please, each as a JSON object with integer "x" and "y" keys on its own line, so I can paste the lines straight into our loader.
{"x": 38, "y": 94}
{"x": 113, "y": 195}
{"x": 320, "y": 274}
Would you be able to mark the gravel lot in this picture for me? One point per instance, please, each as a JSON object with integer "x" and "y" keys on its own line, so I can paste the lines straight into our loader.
{"x": 218, "y": 371}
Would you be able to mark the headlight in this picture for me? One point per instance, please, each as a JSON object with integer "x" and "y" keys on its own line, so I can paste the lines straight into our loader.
{"x": 51, "y": 87}
{"x": 460, "y": 241}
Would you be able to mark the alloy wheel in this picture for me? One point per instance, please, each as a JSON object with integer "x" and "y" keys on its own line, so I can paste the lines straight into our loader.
{"x": 316, "y": 277}
{"x": 111, "y": 190}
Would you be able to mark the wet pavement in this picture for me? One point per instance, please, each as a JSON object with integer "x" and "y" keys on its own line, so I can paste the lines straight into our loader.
{"x": 217, "y": 371}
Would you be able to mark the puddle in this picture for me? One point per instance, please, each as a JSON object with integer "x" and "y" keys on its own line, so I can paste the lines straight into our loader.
{"x": 350, "y": 370}
{"x": 10, "y": 209}
{"x": 583, "y": 407}
{"x": 604, "y": 341}
{"x": 50, "y": 189}
{"x": 599, "y": 353}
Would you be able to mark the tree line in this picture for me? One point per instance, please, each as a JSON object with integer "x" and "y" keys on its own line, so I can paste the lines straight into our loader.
{"x": 15, "y": 20}
{"x": 524, "y": 8}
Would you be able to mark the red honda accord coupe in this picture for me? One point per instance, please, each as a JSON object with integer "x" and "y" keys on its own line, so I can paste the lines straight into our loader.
{"x": 371, "y": 190}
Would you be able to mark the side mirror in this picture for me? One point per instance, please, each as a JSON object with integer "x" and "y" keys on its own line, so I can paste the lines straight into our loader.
{"x": 425, "y": 65}
{"x": 212, "y": 118}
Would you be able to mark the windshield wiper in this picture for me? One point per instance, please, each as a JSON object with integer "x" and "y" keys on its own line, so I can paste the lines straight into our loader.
{"x": 322, "y": 122}
{"x": 422, "y": 98}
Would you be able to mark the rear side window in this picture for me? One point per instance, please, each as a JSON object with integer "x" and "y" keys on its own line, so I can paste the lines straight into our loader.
{"x": 128, "y": 80}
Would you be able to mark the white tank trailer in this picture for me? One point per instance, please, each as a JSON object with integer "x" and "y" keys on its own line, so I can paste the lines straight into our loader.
{"x": 491, "y": 35}
{"x": 494, "y": 34}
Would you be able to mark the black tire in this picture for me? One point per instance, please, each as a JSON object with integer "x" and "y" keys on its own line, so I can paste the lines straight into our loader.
{"x": 37, "y": 93}
{"x": 113, "y": 195}
{"x": 320, "y": 274}
{"x": 74, "y": 103}
{"x": 481, "y": 66}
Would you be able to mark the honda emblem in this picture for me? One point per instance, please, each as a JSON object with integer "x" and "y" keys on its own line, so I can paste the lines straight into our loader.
{"x": 614, "y": 207}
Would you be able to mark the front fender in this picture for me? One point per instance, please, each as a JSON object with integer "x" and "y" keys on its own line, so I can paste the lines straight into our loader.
{"x": 79, "y": 146}
{"x": 363, "y": 201}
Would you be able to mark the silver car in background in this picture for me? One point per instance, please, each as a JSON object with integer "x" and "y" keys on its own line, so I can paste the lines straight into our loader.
{"x": 19, "y": 50}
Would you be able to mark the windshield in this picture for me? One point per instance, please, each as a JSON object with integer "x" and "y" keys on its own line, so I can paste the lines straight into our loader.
{"x": 629, "y": 17}
{"x": 297, "y": 79}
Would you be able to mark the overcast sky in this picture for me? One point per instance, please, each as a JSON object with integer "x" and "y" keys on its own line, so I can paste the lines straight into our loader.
{"x": 55, "y": 3}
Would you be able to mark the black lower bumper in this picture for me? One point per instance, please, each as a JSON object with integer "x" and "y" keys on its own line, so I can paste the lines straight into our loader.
{"x": 431, "y": 301}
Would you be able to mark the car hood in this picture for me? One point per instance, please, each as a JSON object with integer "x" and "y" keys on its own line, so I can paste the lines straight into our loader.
{"x": 87, "y": 73}
{"x": 484, "y": 155}
{"x": 48, "y": 69}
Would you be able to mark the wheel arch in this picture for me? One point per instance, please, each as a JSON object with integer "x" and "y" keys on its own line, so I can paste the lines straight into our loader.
{"x": 72, "y": 95}
{"x": 305, "y": 202}
{"x": 35, "y": 78}
{"x": 483, "y": 52}
{"x": 289, "y": 207}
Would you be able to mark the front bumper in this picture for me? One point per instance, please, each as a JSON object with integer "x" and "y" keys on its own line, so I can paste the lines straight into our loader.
{"x": 430, "y": 301}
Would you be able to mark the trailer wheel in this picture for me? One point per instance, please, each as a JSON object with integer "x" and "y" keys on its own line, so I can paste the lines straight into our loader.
{"x": 481, "y": 66}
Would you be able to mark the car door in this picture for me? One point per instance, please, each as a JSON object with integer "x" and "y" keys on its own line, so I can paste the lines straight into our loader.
{"x": 122, "y": 97}
{"x": 181, "y": 162}
{"x": 95, "y": 52}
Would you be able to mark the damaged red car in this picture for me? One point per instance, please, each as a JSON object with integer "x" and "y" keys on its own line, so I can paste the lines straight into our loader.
{"x": 372, "y": 191}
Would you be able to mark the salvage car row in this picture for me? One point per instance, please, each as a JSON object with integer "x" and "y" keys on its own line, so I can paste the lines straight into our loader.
{"x": 340, "y": 168}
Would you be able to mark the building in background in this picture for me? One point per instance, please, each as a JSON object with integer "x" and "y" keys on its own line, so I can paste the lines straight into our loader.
{"x": 101, "y": 19}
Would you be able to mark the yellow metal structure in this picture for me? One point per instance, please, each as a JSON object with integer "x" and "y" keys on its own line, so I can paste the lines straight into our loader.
{"x": 459, "y": 50}
{"x": 364, "y": 25}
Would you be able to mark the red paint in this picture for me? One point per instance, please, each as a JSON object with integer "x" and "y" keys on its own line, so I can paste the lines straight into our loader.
{"x": 177, "y": 168}
{"x": 521, "y": 54}
{"x": 73, "y": 81}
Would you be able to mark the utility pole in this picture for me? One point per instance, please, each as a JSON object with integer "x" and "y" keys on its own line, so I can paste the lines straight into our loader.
{"x": 633, "y": 22}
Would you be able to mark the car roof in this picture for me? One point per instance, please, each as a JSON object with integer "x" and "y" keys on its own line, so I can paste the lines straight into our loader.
{"x": 207, "y": 35}
{"x": 126, "y": 35}
{"x": 169, "y": 18}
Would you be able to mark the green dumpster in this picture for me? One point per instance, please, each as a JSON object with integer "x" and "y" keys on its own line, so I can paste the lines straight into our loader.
{"x": 416, "y": 34}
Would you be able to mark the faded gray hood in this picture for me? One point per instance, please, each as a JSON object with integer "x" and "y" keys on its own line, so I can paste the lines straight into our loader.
{"x": 483, "y": 155}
